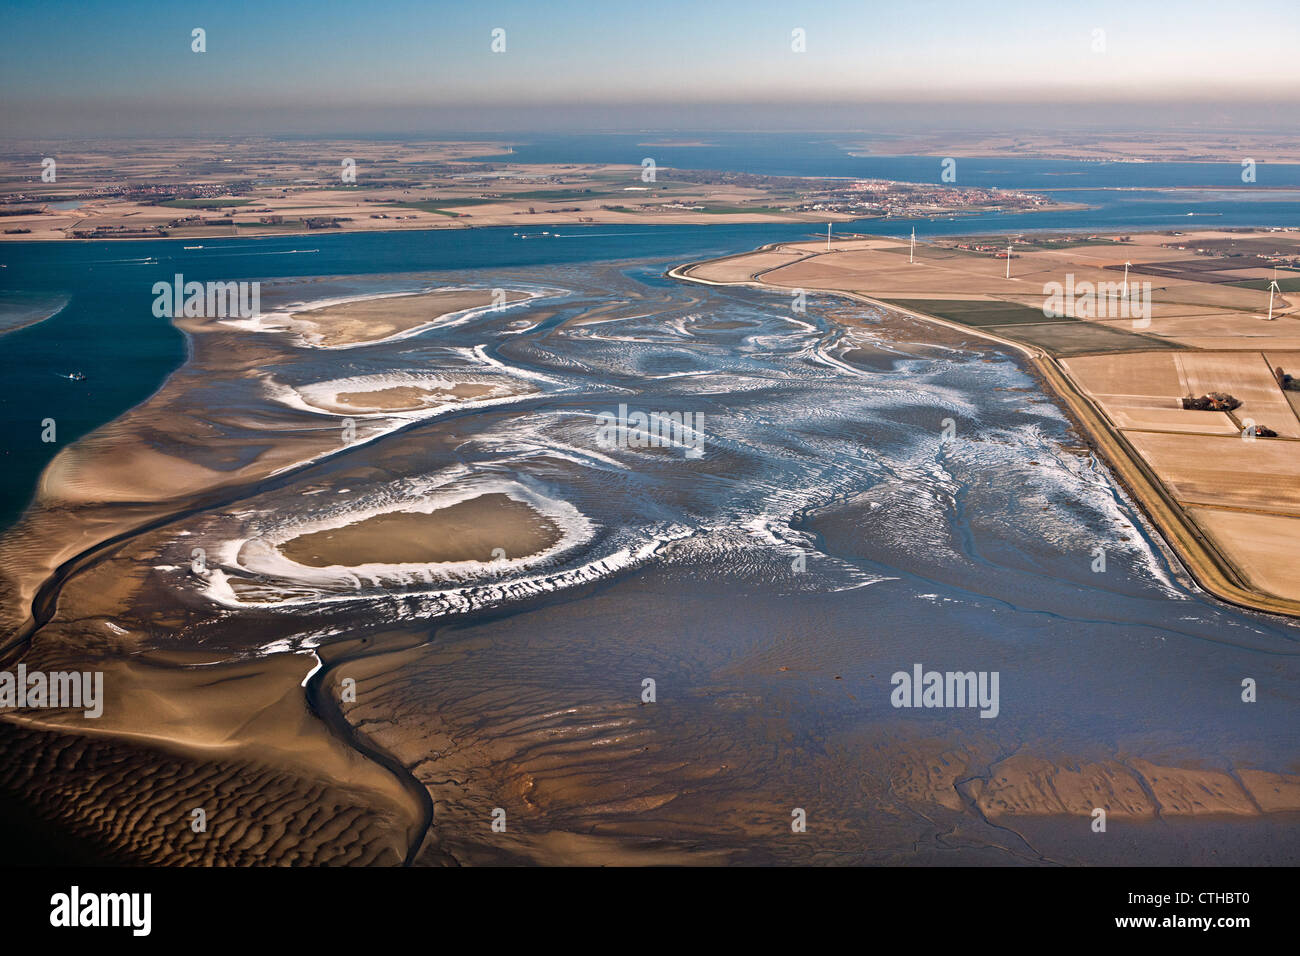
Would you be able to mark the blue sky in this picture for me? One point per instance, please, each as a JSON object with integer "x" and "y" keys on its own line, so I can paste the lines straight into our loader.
{"x": 71, "y": 63}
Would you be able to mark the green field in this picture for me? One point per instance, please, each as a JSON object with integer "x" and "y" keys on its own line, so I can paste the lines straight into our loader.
{"x": 205, "y": 203}
{"x": 1285, "y": 283}
{"x": 977, "y": 312}
{"x": 944, "y": 252}
{"x": 442, "y": 205}
{"x": 1069, "y": 243}
{"x": 545, "y": 197}
{"x": 424, "y": 207}
{"x": 557, "y": 195}
{"x": 732, "y": 210}
{"x": 1061, "y": 336}
{"x": 434, "y": 205}
{"x": 1073, "y": 337}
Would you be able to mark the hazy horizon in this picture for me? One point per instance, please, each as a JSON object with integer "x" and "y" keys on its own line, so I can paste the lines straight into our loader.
{"x": 289, "y": 66}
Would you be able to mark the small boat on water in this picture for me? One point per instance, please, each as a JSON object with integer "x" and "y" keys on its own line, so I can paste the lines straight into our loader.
{"x": 192, "y": 247}
{"x": 73, "y": 376}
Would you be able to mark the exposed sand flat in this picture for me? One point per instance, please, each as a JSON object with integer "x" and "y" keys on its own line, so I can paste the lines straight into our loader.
{"x": 133, "y": 803}
{"x": 171, "y": 448}
{"x": 1263, "y": 547}
{"x": 1272, "y": 792}
{"x": 1263, "y": 474}
{"x": 192, "y": 708}
{"x": 931, "y": 780}
{"x": 235, "y": 740}
{"x": 374, "y": 319}
{"x": 407, "y": 397}
{"x": 1181, "y": 791}
{"x": 466, "y": 531}
{"x": 1026, "y": 785}
{"x": 88, "y": 473}
{"x": 278, "y": 784}
{"x": 492, "y": 741}
{"x": 401, "y": 392}
{"x": 118, "y": 477}
{"x": 1029, "y": 785}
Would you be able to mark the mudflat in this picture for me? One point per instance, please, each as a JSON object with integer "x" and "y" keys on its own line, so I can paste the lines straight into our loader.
{"x": 479, "y": 529}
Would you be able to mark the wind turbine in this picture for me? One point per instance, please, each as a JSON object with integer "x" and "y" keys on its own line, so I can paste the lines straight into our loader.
{"x": 911, "y": 252}
{"x": 1272, "y": 287}
{"x": 828, "y": 237}
{"x": 1126, "y": 265}
{"x": 1008, "y": 260}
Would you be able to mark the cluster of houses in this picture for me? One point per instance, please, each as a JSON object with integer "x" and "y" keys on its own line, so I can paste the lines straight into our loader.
{"x": 1223, "y": 402}
{"x": 1213, "y": 402}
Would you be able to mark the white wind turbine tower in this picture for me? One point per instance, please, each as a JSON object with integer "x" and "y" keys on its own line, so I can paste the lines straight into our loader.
{"x": 1008, "y": 260}
{"x": 1272, "y": 287}
{"x": 1126, "y": 265}
{"x": 911, "y": 252}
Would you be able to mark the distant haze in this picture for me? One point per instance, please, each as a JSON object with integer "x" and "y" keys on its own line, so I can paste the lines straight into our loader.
{"x": 96, "y": 68}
